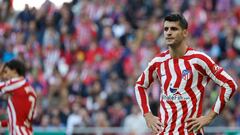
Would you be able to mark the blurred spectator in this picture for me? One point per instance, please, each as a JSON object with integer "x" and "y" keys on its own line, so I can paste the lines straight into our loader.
{"x": 135, "y": 123}
{"x": 77, "y": 118}
{"x": 45, "y": 121}
{"x": 100, "y": 119}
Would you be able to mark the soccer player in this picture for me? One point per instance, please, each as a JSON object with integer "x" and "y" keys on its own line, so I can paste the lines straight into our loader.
{"x": 183, "y": 74}
{"x": 21, "y": 98}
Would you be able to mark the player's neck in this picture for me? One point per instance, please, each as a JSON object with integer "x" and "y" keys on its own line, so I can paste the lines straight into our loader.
{"x": 17, "y": 76}
{"x": 178, "y": 51}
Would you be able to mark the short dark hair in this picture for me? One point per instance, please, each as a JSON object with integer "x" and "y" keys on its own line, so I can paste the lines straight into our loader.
{"x": 177, "y": 17}
{"x": 16, "y": 65}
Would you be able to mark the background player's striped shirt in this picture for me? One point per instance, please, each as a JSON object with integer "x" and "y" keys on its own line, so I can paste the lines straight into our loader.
{"x": 21, "y": 106}
{"x": 183, "y": 82}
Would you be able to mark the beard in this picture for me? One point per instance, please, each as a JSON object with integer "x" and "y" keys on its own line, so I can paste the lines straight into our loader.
{"x": 174, "y": 44}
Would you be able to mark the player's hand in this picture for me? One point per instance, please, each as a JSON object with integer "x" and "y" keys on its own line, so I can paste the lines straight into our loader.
{"x": 195, "y": 124}
{"x": 153, "y": 123}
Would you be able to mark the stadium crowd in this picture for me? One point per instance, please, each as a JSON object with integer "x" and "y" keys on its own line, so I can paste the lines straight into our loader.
{"x": 84, "y": 57}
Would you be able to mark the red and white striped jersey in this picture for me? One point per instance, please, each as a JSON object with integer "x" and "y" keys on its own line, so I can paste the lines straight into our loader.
{"x": 21, "y": 106}
{"x": 182, "y": 81}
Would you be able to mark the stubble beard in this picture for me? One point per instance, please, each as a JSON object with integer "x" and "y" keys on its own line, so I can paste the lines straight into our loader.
{"x": 174, "y": 44}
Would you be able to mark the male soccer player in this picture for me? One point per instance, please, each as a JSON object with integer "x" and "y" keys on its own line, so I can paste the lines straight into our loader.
{"x": 21, "y": 98}
{"x": 183, "y": 74}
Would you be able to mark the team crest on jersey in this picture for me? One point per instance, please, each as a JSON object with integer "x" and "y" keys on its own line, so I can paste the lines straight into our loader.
{"x": 186, "y": 74}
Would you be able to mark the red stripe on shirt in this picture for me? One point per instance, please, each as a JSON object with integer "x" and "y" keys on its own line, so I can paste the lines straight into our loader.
{"x": 142, "y": 79}
{"x": 229, "y": 82}
{"x": 209, "y": 63}
{"x": 185, "y": 112}
{"x": 201, "y": 88}
{"x": 200, "y": 69}
{"x": 163, "y": 54}
{"x": 159, "y": 74}
{"x": 150, "y": 74}
{"x": 168, "y": 76}
{"x": 222, "y": 92}
{"x": 178, "y": 72}
{"x": 143, "y": 99}
{"x": 174, "y": 115}
{"x": 166, "y": 115}
{"x": 20, "y": 129}
{"x": 189, "y": 89}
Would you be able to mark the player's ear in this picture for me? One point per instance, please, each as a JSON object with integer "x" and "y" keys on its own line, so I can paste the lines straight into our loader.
{"x": 15, "y": 72}
{"x": 185, "y": 33}
{"x": 2, "y": 66}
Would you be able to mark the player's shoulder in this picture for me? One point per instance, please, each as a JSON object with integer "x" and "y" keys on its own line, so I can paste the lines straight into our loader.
{"x": 196, "y": 53}
{"x": 163, "y": 53}
{"x": 15, "y": 80}
{"x": 162, "y": 56}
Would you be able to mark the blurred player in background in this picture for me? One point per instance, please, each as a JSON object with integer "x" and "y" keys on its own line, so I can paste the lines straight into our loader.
{"x": 183, "y": 74}
{"x": 21, "y": 98}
